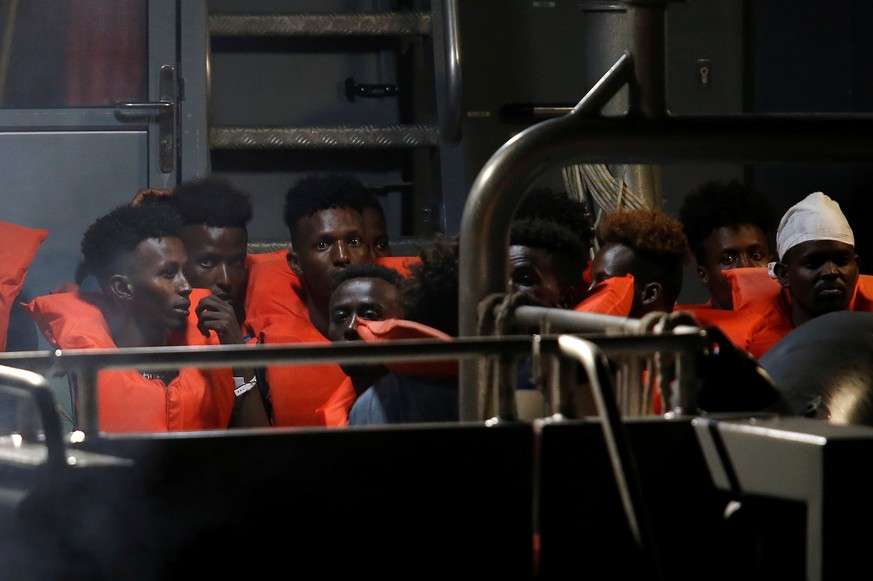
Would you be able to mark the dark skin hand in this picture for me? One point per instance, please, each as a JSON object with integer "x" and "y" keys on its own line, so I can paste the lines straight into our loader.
{"x": 150, "y": 193}
{"x": 214, "y": 314}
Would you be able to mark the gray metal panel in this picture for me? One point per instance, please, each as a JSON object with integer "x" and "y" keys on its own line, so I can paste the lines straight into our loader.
{"x": 91, "y": 119}
{"x": 62, "y": 181}
{"x": 193, "y": 70}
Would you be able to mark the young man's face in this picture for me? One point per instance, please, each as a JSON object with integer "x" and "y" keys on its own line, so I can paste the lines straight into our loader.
{"x": 820, "y": 275}
{"x": 727, "y": 248}
{"x": 362, "y": 298}
{"x": 324, "y": 243}
{"x": 534, "y": 271}
{"x": 216, "y": 261}
{"x": 614, "y": 259}
{"x": 356, "y": 299}
{"x": 377, "y": 233}
{"x": 158, "y": 289}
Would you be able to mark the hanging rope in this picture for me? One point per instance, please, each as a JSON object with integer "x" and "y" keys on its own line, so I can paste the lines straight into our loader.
{"x": 497, "y": 318}
{"x": 603, "y": 192}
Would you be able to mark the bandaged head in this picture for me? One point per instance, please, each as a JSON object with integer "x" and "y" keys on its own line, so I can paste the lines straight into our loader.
{"x": 816, "y": 217}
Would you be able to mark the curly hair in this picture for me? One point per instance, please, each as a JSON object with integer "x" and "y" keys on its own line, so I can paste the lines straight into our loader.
{"x": 564, "y": 245}
{"x": 430, "y": 295}
{"x": 367, "y": 270}
{"x": 112, "y": 237}
{"x": 657, "y": 240}
{"x": 315, "y": 193}
{"x": 212, "y": 201}
{"x": 716, "y": 204}
{"x": 557, "y": 206}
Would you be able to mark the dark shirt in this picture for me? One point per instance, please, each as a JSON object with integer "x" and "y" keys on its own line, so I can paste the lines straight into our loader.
{"x": 404, "y": 399}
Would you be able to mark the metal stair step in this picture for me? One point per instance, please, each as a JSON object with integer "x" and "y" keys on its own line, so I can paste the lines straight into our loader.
{"x": 339, "y": 137}
{"x": 328, "y": 24}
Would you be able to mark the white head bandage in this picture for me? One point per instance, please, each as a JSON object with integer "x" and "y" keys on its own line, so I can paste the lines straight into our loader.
{"x": 816, "y": 217}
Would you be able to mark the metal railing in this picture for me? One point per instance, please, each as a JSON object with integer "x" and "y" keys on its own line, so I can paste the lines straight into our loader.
{"x": 86, "y": 363}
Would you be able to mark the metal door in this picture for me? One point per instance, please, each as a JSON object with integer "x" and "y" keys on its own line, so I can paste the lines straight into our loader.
{"x": 88, "y": 116}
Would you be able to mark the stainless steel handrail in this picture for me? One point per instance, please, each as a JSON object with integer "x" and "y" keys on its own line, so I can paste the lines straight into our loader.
{"x": 87, "y": 362}
{"x": 25, "y": 383}
{"x": 621, "y": 455}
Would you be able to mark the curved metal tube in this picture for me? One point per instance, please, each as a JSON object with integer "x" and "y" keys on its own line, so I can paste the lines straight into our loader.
{"x": 620, "y": 455}
{"x": 606, "y": 88}
{"x": 27, "y": 383}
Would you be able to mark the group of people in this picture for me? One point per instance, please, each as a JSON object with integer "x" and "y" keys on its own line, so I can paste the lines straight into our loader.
{"x": 172, "y": 267}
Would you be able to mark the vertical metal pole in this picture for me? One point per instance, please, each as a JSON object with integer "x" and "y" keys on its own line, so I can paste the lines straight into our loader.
{"x": 647, "y": 91}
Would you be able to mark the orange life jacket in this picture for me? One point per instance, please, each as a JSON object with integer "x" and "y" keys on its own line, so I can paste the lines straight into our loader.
{"x": 335, "y": 411}
{"x": 613, "y": 296}
{"x": 755, "y": 291}
{"x": 197, "y": 399}
{"x": 18, "y": 246}
{"x": 277, "y": 313}
{"x": 741, "y": 327}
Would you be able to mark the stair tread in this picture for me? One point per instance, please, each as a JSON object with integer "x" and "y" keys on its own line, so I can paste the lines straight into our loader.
{"x": 327, "y": 24}
{"x": 323, "y": 137}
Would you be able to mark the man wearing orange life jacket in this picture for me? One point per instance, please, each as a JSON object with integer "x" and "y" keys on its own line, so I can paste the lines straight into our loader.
{"x": 649, "y": 245}
{"x": 137, "y": 255}
{"x": 728, "y": 227}
{"x": 215, "y": 217}
{"x": 361, "y": 292}
{"x": 418, "y": 392}
{"x": 288, "y": 292}
{"x": 817, "y": 271}
{"x": 547, "y": 261}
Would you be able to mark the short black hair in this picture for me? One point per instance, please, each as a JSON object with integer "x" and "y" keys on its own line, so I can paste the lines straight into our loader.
{"x": 366, "y": 270}
{"x": 716, "y": 205}
{"x": 213, "y": 201}
{"x": 315, "y": 193}
{"x": 115, "y": 235}
{"x": 559, "y": 241}
{"x": 557, "y": 206}
{"x": 430, "y": 295}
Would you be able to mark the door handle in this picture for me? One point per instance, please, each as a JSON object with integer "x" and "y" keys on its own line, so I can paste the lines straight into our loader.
{"x": 162, "y": 105}
{"x": 166, "y": 112}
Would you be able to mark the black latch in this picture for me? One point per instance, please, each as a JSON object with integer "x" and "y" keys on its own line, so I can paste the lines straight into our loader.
{"x": 368, "y": 90}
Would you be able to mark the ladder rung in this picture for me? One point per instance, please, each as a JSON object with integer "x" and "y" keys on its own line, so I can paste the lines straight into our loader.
{"x": 340, "y": 137}
{"x": 328, "y": 24}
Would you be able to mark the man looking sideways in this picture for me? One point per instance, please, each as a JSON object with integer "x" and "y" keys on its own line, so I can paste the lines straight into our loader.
{"x": 215, "y": 217}
{"x": 137, "y": 256}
